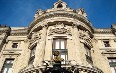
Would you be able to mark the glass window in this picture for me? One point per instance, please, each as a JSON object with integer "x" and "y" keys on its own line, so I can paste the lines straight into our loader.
{"x": 14, "y": 45}
{"x": 87, "y": 50}
{"x": 112, "y": 63}
{"x": 32, "y": 55}
{"x": 88, "y": 54}
{"x": 106, "y": 43}
{"x": 7, "y": 67}
{"x": 59, "y": 44}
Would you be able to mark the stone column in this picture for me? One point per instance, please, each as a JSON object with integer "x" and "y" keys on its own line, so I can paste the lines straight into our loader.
{"x": 40, "y": 49}
{"x": 74, "y": 46}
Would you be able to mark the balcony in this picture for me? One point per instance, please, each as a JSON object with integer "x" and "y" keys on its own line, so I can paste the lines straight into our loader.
{"x": 69, "y": 67}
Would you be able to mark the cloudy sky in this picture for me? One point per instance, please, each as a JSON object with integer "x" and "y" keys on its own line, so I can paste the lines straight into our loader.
{"x": 15, "y": 13}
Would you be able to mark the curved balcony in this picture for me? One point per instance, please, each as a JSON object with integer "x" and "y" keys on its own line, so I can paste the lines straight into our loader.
{"x": 72, "y": 68}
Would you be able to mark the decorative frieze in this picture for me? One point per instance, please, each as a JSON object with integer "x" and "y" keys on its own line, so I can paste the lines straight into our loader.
{"x": 60, "y": 28}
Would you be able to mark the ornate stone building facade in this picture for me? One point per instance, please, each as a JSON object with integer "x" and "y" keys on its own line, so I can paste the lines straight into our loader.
{"x": 85, "y": 49}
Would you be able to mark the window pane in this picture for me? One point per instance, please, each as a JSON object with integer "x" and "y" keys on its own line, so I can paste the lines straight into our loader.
{"x": 113, "y": 60}
{"x": 4, "y": 70}
{"x": 10, "y": 70}
{"x": 113, "y": 70}
{"x": 57, "y": 44}
{"x": 112, "y": 63}
{"x": 8, "y": 61}
{"x": 109, "y": 60}
{"x": 7, "y": 67}
{"x": 62, "y": 44}
{"x": 64, "y": 57}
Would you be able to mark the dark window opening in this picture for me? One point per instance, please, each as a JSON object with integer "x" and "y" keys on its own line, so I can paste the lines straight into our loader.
{"x": 88, "y": 54}
{"x": 59, "y": 5}
{"x": 106, "y": 44}
{"x": 14, "y": 45}
{"x": 32, "y": 55}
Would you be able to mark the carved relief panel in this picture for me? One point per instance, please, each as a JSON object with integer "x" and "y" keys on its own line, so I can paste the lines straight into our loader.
{"x": 84, "y": 35}
{"x": 36, "y": 36}
{"x": 60, "y": 28}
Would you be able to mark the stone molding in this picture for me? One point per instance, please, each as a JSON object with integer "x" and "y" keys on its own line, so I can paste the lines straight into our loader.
{"x": 12, "y": 52}
{"x": 108, "y": 50}
{"x": 103, "y": 31}
{"x": 61, "y": 14}
{"x": 19, "y": 32}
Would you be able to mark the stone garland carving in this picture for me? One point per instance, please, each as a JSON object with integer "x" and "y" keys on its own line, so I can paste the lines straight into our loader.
{"x": 84, "y": 35}
{"x": 60, "y": 29}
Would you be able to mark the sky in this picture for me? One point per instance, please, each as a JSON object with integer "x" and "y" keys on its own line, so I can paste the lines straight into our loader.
{"x": 20, "y": 13}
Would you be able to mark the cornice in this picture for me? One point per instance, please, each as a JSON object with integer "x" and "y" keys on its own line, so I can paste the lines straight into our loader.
{"x": 4, "y": 30}
{"x": 19, "y": 32}
{"x": 61, "y": 14}
{"x": 103, "y": 31}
